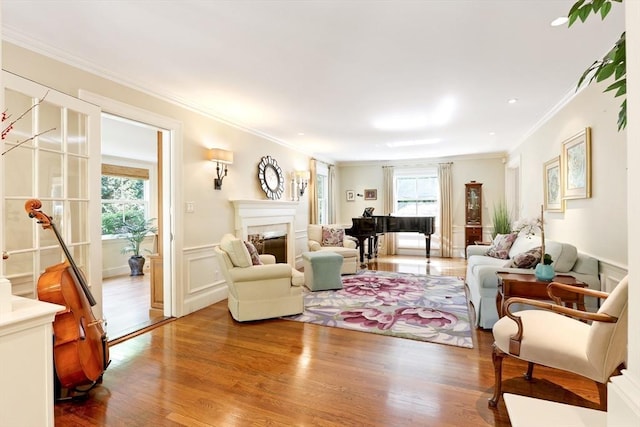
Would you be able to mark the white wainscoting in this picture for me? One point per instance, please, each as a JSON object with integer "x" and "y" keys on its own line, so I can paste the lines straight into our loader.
{"x": 203, "y": 281}
{"x": 301, "y": 242}
{"x": 610, "y": 274}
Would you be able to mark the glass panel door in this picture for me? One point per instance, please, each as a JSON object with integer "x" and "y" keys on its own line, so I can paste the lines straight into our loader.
{"x": 54, "y": 157}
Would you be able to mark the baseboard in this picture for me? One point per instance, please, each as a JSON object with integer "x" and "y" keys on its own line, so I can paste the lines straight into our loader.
{"x": 215, "y": 293}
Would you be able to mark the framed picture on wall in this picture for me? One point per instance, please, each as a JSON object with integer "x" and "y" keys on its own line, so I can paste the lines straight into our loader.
{"x": 576, "y": 166}
{"x": 553, "y": 201}
{"x": 351, "y": 195}
{"x": 371, "y": 194}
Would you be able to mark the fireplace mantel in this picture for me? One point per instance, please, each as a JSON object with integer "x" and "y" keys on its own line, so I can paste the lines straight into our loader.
{"x": 255, "y": 213}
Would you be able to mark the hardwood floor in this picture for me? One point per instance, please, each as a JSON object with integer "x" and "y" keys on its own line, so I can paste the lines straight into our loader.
{"x": 205, "y": 369}
{"x": 127, "y": 305}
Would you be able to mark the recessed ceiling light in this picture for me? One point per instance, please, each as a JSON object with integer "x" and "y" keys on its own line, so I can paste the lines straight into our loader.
{"x": 414, "y": 142}
{"x": 561, "y": 20}
{"x": 300, "y": 133}
{"x": 492, "y": 133}
{"x": 409, "y": 121}
{"x": 512, "y": 100}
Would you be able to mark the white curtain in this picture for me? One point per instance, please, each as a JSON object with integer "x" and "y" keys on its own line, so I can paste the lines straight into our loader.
{"x": 388, "y": 206}
{"x": 313, "y": 192}
{"x": 446, "y": 210}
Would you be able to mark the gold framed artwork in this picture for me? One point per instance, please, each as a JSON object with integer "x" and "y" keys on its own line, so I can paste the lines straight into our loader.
{"x": 553, "y": 200}
{"x": 371, "y": 194}
{"x": 576, "y": 166}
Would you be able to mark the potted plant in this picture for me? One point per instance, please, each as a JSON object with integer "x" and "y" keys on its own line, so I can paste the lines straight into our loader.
{"x": 134, "y": 231}
{"x": 501, "y": 220}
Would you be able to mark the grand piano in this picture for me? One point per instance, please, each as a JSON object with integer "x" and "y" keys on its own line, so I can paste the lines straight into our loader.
{"x": 369, "y": 228}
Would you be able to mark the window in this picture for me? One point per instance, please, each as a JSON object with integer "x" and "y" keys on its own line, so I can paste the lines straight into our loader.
{"x": 323, "y": 198}
{"x": 322, "y": 193}
{"x": 417, "y": 194}
{"x": 125, "y": 198}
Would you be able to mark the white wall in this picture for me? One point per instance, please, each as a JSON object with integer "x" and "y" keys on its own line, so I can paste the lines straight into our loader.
{"x": 598, "y": 225}
{"x": 213, "y": 216}
{"x": 489, "y": 170}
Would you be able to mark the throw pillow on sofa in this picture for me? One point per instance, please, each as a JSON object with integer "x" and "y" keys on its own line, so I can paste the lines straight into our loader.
{"x": 332, "y": 236}
{"x": 501, "y": 245}
{"x": 253, "y": 253}
{"x": 237, "y": 251}
{"x": 528, "y": 259}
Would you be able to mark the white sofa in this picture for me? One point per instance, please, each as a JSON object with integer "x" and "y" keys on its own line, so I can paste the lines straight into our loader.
{"x": 482, "y": 281}
{"x": 348, "y": 251}
{"x": 258, "y": 291}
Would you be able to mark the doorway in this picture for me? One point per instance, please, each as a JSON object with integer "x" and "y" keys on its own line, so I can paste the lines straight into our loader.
{"x": 171, "y": 130}
{"x": 132, "y": 169}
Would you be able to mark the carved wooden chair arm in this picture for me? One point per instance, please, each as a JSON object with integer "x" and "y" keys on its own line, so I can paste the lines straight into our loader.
{"x": 515, "y": 340}
{"x": 574, "y": 289}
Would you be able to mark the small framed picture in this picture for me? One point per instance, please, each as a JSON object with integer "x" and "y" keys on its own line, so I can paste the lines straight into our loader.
{"x": 576, "y": 165}
{"x": 553, "y": 201}
{"x": 371, "y": 194}
{"x": 351, "y": 195}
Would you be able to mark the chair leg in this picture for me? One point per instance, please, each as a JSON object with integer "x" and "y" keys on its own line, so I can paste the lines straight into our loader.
{"x": 529, "y": 373}
{"x": 602, "y": 391}
{"x": 497, "y": 357}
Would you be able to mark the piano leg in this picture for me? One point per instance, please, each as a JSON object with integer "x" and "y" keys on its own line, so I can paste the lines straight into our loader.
{"x": 427, "y": 246}
{"x": 370, "y": 244}
{"x": 361, "y": 244}
{"x": 375, "y": 246}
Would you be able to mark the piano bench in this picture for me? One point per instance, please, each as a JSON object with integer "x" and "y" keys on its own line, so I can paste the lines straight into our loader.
{"x": 322, "y": 270}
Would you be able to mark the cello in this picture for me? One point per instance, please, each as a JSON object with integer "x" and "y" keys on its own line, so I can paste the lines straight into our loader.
{"x": 80, "y": 349}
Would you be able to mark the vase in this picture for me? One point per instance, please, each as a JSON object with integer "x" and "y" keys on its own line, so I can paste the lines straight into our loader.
{"x": 545, "y": 272}
{"x": 136, "y": 264}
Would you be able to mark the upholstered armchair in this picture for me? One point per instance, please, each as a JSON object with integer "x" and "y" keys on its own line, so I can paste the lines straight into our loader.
{"x": 260, "y": 291}
{"x": 593, "y": 345}
{"x": 333, "y": 239}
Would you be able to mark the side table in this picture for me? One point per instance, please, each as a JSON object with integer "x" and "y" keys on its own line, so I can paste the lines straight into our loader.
{"x": 528, "y": 286}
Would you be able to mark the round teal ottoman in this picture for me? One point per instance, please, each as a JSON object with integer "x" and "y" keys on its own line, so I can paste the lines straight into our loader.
{"x": 322, "y": 270}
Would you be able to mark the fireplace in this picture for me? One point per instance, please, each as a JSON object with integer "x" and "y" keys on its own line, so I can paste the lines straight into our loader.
{"x": 273, "y": 219}
{"x": 272, "y": 242}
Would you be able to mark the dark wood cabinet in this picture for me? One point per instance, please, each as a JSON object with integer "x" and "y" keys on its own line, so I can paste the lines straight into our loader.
{"x": 473, "y": 213}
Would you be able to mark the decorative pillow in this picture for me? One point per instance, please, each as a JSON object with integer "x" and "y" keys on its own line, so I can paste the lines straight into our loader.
{"x": 332, "y": 236}
{"x": 253, "y": 253}
{"x": 528, "y": 259}
{"x": 236, "y": 250}
{"x": 501, "y": 245}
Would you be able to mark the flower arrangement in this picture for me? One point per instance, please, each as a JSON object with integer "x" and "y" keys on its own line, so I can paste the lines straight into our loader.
{"x": 530, "y": 226}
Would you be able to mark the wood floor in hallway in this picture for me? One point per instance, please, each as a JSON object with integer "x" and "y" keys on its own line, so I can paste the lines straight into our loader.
{"x": 127, "y": 305}
{"x": 205, "y": 369}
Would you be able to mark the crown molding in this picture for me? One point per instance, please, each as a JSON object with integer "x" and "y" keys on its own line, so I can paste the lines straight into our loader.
{"x": 21, "y": 39}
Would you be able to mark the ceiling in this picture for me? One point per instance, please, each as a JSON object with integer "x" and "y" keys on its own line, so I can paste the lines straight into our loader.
{"x": 335, "y": 79}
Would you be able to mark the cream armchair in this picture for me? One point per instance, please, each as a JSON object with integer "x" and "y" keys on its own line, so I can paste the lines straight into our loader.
{"x": 259, "y": 291}
{"x": 347, "y": 250}
{"x": 549, "y": 337}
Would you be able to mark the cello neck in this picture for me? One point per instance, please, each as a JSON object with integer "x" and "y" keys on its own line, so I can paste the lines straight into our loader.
{"x": 76, "y": 271}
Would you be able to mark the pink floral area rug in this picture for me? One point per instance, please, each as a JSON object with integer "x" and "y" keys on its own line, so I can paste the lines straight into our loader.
{"x": 414, "y": 306}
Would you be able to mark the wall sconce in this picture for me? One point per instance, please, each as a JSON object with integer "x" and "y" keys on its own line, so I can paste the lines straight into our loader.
{"x": 302, "y": 180}
{"x": 220, "y": 156}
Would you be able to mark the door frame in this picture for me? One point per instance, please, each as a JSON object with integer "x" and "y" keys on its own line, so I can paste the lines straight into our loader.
{"x": 171, "y": 169}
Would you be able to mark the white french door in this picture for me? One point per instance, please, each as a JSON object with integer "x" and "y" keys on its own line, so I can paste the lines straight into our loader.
{"x": 61, "y": 168}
